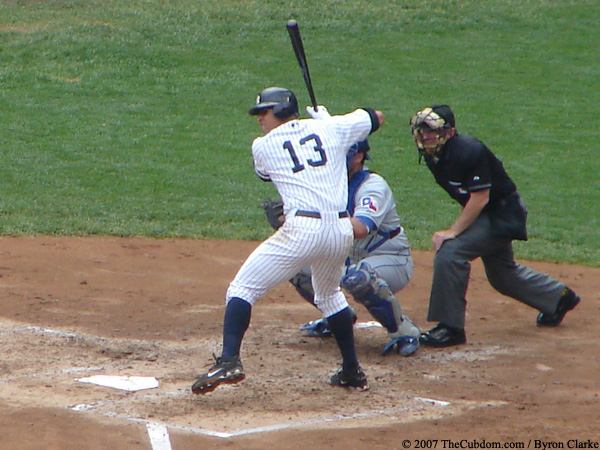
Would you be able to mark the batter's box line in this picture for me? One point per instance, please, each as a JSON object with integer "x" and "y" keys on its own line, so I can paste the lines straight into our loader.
{"x": 96, "y": 340}
{"x": 70, "y": 371}
{"x": 265, "y": 429}
{"x": 389, "y": 413}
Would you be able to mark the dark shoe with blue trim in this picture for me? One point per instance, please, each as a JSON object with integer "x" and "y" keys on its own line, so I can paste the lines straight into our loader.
{"x": 404, "y": 345}
{"x": 320, "y": 328}
{"x": 443, "y": 336}
{"x": 317, "y": 328}
{"x": 568, "y": 301}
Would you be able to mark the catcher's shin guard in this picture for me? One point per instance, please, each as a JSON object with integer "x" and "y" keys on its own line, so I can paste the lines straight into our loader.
{"x": 303, "y": 284}
{"x": 373, "y": 292}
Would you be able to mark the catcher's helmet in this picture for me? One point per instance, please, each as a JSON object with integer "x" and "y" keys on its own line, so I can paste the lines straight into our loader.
{"x": 283, "y": 101}
{"x": 438, "y": 118}
{"x": 360, "y": 146}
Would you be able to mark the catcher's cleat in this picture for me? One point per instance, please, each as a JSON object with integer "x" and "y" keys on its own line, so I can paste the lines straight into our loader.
{"x": 355, "y": 379}
{"x": 443, "y": 336}
{"x": 568, "y": 301}
{"x": 317, "y": 328}
{"x": 223, "y": 372}
{"x": 403, "y": 345}
{"x": 320, "y": 328}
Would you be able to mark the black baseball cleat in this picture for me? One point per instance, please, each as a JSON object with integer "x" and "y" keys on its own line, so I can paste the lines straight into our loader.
{"x": 355, "y": 379}
{"x": 443, "y": 336}
{"x": 568, "y": 301}
{"x": 228, "y": 371}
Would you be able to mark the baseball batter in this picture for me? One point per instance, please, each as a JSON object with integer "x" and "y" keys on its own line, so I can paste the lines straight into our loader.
{"x": 306, "y": 161}
{"x": 379, "y": 263}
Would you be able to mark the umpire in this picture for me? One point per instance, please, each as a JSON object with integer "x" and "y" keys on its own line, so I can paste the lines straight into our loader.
{"x": 492, "y": 216}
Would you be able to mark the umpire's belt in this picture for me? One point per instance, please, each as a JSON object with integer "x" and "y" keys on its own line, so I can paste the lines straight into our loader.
{"x": 317, "y": 214}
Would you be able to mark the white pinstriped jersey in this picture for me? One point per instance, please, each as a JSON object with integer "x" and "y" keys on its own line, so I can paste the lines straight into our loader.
{"x": 305, "y": 159}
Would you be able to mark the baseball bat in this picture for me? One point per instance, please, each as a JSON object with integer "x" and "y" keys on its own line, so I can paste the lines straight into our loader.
{"x": 294, "y": 32}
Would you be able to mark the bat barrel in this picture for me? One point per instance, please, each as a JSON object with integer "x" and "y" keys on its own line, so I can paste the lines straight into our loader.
{"x": 297, "y": 45}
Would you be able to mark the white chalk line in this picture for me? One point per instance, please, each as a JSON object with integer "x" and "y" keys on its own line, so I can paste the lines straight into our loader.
{"x": 432, "y": 401}
{"x": 388, "y": 413}
{"x": 264, "y": 429}
{"x": 159, "y": 436}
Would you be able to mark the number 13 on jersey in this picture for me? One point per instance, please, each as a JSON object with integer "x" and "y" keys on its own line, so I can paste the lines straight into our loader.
{"x": 318, "y": 148}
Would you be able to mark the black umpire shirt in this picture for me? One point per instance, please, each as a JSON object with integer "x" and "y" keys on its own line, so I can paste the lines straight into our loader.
{"x": 466, "y": 165}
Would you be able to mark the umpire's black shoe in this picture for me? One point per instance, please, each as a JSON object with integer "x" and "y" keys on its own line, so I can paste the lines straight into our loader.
{"x": 568, "y": 301}
{"x": 228, "y": 371}
{"x": 355, "y": 379}
{"x": 443, "y": 336}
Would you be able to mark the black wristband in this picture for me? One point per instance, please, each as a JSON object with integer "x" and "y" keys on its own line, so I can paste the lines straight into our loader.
{"x": 374, "y": 119}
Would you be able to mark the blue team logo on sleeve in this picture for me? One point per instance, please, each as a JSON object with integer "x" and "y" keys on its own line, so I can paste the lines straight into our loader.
{"x": 370, "y": 203}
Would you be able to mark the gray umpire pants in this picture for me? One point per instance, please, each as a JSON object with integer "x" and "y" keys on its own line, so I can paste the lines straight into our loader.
{"x": 451, "y": 269}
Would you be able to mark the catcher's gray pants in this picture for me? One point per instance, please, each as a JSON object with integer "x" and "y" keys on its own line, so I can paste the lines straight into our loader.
{"x": 451, "y": 268}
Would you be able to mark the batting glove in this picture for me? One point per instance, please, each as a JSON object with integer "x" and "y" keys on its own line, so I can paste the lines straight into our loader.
{"x": 320, "y": 113}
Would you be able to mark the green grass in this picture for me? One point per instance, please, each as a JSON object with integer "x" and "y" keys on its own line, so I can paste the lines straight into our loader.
{"x": 130, "y": 118}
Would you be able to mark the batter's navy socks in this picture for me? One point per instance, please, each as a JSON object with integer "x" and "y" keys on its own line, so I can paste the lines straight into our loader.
{"x": 228, "y": 368}
{"x": 568, "y": 301}
{"x": 341, "y": 326}
{"x": 443, "y": 335}
{"x": 225, "y": 371}
{"x": 235, "y": 324}
{"x": 355, "y": 379}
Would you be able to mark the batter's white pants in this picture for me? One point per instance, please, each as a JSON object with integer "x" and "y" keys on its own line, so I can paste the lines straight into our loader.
{"x": 322, "y": 244}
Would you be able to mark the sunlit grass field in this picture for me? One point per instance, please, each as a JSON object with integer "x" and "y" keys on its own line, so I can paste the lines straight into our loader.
{"x": 131, "y": 118}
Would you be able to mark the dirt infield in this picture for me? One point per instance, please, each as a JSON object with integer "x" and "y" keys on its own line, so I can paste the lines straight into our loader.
{"x": 74, "y": 308}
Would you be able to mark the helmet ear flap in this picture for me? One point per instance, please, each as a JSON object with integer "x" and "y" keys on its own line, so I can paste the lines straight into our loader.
{"x": 282, "y": 110}
{"x": 286, "y": 108}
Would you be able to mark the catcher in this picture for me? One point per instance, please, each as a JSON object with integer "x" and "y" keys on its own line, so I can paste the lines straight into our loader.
{"x": 379, "y": 263}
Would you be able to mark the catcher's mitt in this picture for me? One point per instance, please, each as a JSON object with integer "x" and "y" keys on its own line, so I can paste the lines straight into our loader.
{"x": 274, "y": 212}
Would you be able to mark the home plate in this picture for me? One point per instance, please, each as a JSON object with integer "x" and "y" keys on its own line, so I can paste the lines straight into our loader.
{"x": 124, "y": 383}
{"x": 370, "y": 324}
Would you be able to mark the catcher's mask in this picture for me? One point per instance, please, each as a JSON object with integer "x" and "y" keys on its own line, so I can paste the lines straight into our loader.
{"x": 283, "y": 101}
{"x": 439, "y": 119}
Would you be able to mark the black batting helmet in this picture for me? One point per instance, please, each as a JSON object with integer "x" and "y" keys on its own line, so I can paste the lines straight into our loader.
{"x": 283, "y": 101}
